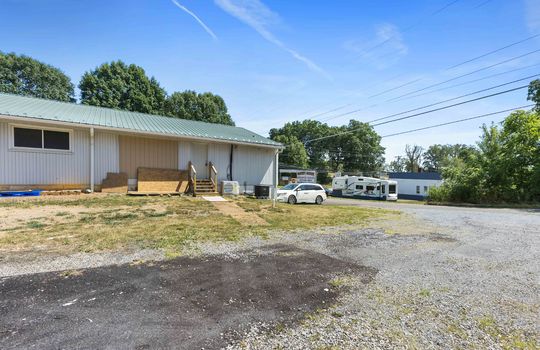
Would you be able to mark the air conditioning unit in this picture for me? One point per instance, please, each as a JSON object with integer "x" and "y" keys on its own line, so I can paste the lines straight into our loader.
{"x": 231, "y": 188}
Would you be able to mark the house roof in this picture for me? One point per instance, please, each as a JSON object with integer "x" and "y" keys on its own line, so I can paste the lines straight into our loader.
{"x": 416, "y": 176}
{"x": 99, "y": 117}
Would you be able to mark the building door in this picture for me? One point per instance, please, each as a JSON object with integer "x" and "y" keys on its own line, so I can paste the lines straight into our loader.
{"x": 199, "y": 159}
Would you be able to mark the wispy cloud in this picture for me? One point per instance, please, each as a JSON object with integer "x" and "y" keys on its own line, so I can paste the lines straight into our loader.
{"x": 395, "y": 47}
{"x": 533, "y": 15}
{"x": 189, "y": 12}
{"x": 259, "y": 17}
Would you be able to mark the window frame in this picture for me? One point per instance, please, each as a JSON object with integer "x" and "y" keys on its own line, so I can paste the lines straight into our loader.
{"x": 12, "y": 146}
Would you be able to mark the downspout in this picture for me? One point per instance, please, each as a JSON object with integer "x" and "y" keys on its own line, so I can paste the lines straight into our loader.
{"x": 91, "y": 159}
{"x": 276, "y": 175}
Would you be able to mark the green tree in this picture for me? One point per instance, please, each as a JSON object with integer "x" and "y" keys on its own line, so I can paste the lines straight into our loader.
{"x": 122, "y": 86}
{"x": 305, "y": 131}
{"x": 22, "y": 75}
{"x": 205, "y": 107}
{"x": 360, "y": 148}
{"x": 534, "y": 94}
{"x": 294, "y": 152}
{"x": 397, "y": 165}
{"x": 413, "y": 158}
{"x": 439, "y": 156}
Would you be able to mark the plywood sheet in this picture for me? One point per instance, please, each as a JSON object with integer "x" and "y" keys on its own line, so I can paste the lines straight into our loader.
{"x": 141, "y": 152}
{"x": 115, "y": 183}
{"x": 161, "y": 180}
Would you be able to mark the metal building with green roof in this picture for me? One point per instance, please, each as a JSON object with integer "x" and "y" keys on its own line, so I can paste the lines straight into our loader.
{"x": 50, "y": 144}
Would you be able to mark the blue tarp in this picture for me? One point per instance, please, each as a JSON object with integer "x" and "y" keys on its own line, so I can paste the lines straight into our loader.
{"x": 20, "y": 193}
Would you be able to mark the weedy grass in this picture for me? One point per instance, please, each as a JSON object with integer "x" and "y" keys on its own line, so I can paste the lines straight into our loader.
{"x": 170, "y": 223}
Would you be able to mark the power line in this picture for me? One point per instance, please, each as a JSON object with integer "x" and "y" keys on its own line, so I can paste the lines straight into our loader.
{"x": 458, "y": 121}
{"x": 449, "y": 106}
{"x": 410, "y": 27}
{"x": 434, "y": 104}
{"x": 467, "y": 74}
{"x": 494, "y": 51}
{"x": 457, "y": 98}
{"x": 444, "y": 82}
{"x": 422, "y": 113}
{"x": 473, "y": 81}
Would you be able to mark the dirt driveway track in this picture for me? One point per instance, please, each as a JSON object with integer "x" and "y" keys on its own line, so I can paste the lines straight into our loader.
{"x": 184, "y": 303}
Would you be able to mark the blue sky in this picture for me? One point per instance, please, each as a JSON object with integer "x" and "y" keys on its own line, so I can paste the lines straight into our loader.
{"x": 278, "y": 61}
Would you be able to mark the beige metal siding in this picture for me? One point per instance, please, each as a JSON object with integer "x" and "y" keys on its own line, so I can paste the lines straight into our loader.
{"x": 184, "y": 154}
{"x": 106, "y": 157}
{"x": 135, "y": 152}
{"x": 253, "y": 165}
{"x": 29, "y": 167}
{"x": 219, "y": 155}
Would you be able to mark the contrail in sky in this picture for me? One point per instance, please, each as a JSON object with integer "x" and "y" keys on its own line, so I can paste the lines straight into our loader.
{"x": 185, "y": 9}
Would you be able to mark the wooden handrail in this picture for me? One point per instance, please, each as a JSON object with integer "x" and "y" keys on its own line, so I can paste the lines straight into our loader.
{"x": 192, "y": 174}
{"x": 213, "y": 174}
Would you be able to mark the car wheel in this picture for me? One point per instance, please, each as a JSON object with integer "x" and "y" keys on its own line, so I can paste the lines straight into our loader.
{"x": 319, "y": 200}
{"x": 292, "y": 200}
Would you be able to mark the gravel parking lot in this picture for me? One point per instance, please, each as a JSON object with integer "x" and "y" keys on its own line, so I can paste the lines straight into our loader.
{"x": 437, "y": 278}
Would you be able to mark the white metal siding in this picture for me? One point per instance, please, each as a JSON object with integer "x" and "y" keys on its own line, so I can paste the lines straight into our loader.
{"x": 219, "y": 155}
{"x": 184, "y": 154}
{"x": 408, "y": 186}
{"x": 253, "y": 165}
{"x": 106, "y": 159}
{"x": 19, "y": 167}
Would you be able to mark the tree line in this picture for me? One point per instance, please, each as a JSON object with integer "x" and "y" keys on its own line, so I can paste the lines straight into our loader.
{"x": 113, "y": 85}
{"x": 502, "y": 167}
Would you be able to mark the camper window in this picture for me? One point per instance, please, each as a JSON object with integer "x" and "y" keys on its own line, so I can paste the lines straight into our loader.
{"x": 392, "y": 189}
{"x": 383, "y": 189}
{"x": 359, "y": 187}
{"x": 370, "y": 188}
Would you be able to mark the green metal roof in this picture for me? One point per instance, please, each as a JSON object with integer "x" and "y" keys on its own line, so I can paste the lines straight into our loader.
{"x": 36, "y": 108}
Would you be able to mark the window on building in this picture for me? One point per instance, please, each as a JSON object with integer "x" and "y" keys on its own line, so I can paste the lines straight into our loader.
{"x": 425, "y": 189}
{"x": 41, "y": 139}
{"x": 417, "y": 189}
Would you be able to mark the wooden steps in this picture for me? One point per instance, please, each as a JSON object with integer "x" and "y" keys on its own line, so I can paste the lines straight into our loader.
{"x": 205, "y": 187}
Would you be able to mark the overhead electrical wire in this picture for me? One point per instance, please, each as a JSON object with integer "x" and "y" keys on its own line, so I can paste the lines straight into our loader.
{"x": 459, "y": 97}
{"x": 434, "y": 104}
{"x": 458, "y": 121}
{"x": 422, "y": 113}
{"x": 376, "y": 46}
{"x": 467, "y": 74}
{"x": 456, "y": 65}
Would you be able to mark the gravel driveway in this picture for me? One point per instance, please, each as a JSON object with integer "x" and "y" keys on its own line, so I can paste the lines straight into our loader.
{"x": 439, "y": 278}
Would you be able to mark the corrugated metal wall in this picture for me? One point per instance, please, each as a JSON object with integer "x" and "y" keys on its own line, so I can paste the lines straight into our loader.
{"x": 106, "y": 158}
{"x": 253, "y": 165}
{"x": 49, "y": 168}
{"x": 138, "y": 152}
{"x": 19, "y": 167}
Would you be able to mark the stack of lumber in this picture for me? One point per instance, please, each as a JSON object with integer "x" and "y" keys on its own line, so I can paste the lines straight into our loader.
{"x": 115, "y": 183}
{"x": 161, "y": 180}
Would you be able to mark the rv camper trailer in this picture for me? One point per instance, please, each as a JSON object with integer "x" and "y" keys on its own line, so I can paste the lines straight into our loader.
{"x": 364, "y": 188}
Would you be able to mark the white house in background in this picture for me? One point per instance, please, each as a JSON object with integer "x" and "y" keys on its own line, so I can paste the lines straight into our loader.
{"x": 415, "y": 185}
{"x": 56, "y": 145}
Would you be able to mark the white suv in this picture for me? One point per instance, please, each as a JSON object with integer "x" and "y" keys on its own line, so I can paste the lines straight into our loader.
{"x": 301, "y": 193}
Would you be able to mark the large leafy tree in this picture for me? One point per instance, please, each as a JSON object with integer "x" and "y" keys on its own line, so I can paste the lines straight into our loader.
{"x": 413, "y": 158}
{"x": 534, "y": 94}
{"x": 205, "y": 107}
{"x": 26, "y": 76}
{"x": 294, "y": 152}
{"x": 353, "y": 148}
{"x": 504, "y": 168}
{"x": 436, "y": 157}
{"x": 122, "y": 86}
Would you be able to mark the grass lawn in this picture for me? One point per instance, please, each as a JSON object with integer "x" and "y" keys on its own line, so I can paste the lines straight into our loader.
{"x": 110, "y": 222}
